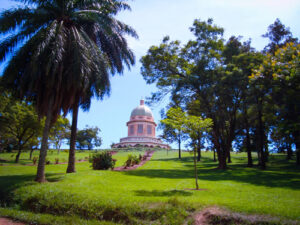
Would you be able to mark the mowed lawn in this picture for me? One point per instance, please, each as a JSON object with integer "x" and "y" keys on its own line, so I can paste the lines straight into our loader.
{"x": 165, "y": 178}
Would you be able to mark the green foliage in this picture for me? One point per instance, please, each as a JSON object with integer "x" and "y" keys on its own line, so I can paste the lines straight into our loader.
{"x": 132, "y": 160}
{"x": 102, "y": 161}
{"x": 19, "y": 123}
{"x": 88, "y": 138}
{"x": 59, "y": 131}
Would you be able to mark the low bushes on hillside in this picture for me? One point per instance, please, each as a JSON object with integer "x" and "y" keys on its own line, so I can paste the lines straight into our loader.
{"x": 132, "y": 160}
{"x": 102, "y": 161}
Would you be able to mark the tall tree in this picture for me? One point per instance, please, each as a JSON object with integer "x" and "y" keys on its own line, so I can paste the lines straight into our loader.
{"x": 282, "y": 72}
{"x": 59, "y": 131}
{"x": 278, "y": 35}
{"x": 175, "y": 120}
{"x": 19, "y": 122}
{"x": 199, "y": 71}
{"x": 64, "y": 50}
{"x": 88, "y": 138}
{"x": 105, "y": 38}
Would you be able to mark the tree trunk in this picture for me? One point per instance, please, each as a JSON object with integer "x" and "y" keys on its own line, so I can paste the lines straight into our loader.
{"x": 195, "y": 167}
{"x": 214, "y": 155}
{"x": 18, "y": 155}
{"x": 71, "y": 163}
{"x": 248, "y": 146}
{"x": 266, "y": 146}
{"x": 179, "y": 148}
{"x": 296, "y": 136}
{"x": 261, "y": 135}
{"x": 222, "y": 153}
{"x": 199, "y": 148}
{"x": 289, "y": 151}
{"x": 228, "y": 155}
{"x": 222, "y": 160}
{"x": 40, "y": 176}
{"x": 31, "y": 152}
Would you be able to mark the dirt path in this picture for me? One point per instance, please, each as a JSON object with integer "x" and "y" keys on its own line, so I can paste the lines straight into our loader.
{"x": 123, "y": 168}
{"x": 6, "y": 221}
{"x": 216, "y": 215}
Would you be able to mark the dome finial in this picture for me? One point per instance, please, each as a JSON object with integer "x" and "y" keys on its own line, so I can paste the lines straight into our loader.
{"x": 142, "y": 102}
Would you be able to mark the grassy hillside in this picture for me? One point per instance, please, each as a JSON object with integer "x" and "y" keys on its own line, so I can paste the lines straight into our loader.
{"x": 156, "y": 192}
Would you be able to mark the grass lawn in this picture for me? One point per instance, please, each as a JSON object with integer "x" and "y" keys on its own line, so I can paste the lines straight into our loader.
{"x": 154, "y": 193}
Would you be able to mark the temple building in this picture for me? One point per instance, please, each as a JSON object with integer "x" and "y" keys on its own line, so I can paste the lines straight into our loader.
{"x": 141, "y": 130}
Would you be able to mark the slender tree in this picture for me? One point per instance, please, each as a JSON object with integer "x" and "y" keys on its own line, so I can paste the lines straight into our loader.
{"x": 176, "y": 119}
{"x": 196, "y": 126}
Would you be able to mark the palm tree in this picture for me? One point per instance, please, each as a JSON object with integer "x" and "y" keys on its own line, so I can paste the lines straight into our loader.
{"x": 67, "y": 49}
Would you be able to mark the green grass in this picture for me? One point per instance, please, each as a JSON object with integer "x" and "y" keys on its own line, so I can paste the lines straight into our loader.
{"x": 155, "y": 192}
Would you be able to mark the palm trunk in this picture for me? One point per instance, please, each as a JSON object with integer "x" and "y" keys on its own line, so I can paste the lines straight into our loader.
{"x": 71, "y": 163}
{"x": 195, "y": 167}
{"x": 40, "y": 175}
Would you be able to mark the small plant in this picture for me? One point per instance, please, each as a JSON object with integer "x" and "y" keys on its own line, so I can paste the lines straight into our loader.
{"x": 34, "y": 160}
{"x": 56, "y": 160}
{"x": 102, "y": 161}
{"x": 47, "y": 161}
{"x": 131, "y": 161}
{"x": 86, "y": 158}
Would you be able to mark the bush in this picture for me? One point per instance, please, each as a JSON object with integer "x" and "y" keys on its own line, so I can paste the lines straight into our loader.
{"x": 102, "y": 161}
{"x": 56, "y": 160}
{"x": 132, "y": 160}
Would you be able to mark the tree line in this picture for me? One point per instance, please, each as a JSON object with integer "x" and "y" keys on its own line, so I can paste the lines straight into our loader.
{"x": 252, "y": 97}
{"x": 21, "y": 129}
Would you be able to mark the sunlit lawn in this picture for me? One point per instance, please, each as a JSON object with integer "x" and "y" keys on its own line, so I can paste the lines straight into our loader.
{"x": 275, "y": 191}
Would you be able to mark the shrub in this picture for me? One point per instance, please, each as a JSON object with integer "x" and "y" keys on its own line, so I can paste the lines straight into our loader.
{"x": 47, "y": 161}
{"x": 34, "y": 160}
{"x": 132, "y": 160}
{"x": 56, "y": 160}
{"x": 102, "y": 161}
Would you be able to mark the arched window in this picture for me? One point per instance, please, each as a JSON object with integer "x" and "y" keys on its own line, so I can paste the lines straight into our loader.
{"x": 131, "y": 129}
{"x": 149, "y": 129}
{"x": 140, "y": 128}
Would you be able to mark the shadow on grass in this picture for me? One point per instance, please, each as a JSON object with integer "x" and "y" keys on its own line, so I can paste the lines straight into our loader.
{"x": 284, "y": 175}
{"x": 9, "y": 183}
{"x": 156, "y": 193}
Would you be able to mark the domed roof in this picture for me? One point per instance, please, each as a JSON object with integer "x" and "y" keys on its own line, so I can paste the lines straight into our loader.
{"x": 142, "y": 110}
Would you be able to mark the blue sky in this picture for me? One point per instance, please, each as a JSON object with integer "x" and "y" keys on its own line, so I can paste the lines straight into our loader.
{"x": 157, "y": 18}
